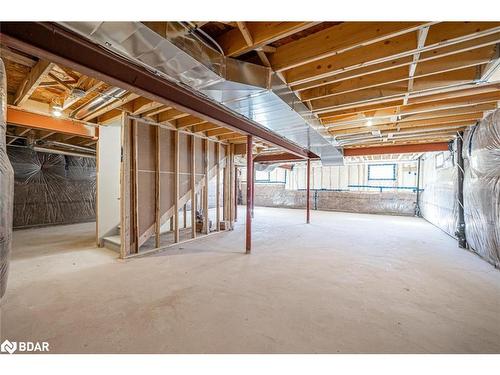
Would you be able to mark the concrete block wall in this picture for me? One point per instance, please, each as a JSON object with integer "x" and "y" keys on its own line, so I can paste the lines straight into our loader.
{"x": 393, "y": 203}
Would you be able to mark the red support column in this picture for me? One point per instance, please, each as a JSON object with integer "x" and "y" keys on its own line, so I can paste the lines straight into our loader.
{"x": 249, "y": 194}
{"x": 308, "y": 192}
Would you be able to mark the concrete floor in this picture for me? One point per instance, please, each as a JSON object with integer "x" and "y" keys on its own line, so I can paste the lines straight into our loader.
{"x": 347, "y": 283}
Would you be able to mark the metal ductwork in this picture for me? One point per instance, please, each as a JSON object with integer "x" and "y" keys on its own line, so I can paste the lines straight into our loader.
{"x": 100, "y": 101}
{"x": 173, "y": 51}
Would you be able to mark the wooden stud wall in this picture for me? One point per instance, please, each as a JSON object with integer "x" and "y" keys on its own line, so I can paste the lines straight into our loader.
{"x": 160, "y": 167}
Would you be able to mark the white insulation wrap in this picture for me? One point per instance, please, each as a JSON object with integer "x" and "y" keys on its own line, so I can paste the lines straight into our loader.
{"x": 6, "y": 187}
{"x": 481, "y": 154}
{"x": 438, "y": 201}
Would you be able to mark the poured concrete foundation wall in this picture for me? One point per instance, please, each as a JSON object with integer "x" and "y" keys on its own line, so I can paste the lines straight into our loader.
{"x": 394, "y": 203}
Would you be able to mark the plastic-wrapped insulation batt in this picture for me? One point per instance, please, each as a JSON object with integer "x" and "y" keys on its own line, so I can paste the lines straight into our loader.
{"x": 6, "y": 187}
{"x": 481, "y": 154}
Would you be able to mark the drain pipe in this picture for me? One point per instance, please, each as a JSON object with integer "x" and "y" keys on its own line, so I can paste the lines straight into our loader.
{"x": 460, "y": 233}
{"x": 6, "y": 188}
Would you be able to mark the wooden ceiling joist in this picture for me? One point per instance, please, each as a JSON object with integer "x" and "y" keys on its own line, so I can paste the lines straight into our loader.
{"x": 403, "y": 149}
{"x": 337, "y": 39}
{"x": 261, "y": 33}
{"x": 424, "y": 69}
{"x": 465, "y": 76}
{"x": 113, "y": 105}
{"x": 395, "y": 52}
{"x": 31, "y": 82}
{"x": 369, "y": 83}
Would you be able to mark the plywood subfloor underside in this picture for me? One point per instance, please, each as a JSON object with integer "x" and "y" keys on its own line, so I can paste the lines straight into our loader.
{"x": 347, "y": 283}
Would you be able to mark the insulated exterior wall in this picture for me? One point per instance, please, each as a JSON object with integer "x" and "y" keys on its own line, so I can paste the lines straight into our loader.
{"x": 390, "y": 203}
{"x": 6, "y": 188}
{"x": 481, "y": 154}
{"x": 438, "y": 201}
{"x": 52, "y": 189}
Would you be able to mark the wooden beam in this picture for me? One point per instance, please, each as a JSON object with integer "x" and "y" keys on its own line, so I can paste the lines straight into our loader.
{"x": 186, "y": 122}
{"x": 351, "y": 134}
{"x": 337, "y": 39}
{"x": 24, "y": 118}
{"x": 396, "y": 90}
{"x": 246, "y": 34}
{"x": 205, "y": 127}
{"x": 18, "y": 132}
{"x": 32, "y": 80}
{"x": 406, "y": 123}
{"x": 170, "y": 115}
{"x": 60, "y": 82}
{"x": 450, "y": 38}
{"x": 277, "y": 158}
{"x": 424, "y": 147}
{"x": 459, "y": 100}
{"x": 436, "y": 66}
{"x": 113, "y": 105}
{"x": 9, "y": 54}
{"x": 140, "y": 105}
{"x": 234, "y": 44}
{"x": 72, "y": 99}
{"x": 231, "y": 136}
{"x": 220, "y": 131}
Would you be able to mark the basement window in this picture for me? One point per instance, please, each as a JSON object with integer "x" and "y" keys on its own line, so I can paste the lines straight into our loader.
{"x": 262, "y": 176}
{"x": 382, "y": 172}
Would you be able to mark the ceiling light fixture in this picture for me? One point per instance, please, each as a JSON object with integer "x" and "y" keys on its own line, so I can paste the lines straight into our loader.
{"x": 56, "y": 111}
{"x": 369, "y": 123}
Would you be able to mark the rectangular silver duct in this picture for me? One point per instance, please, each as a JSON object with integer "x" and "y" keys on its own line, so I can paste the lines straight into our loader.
{"x": 251, "y": 90}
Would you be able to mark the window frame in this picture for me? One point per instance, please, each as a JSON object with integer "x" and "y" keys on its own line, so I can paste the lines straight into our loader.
{"x": 394, "y": 177}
